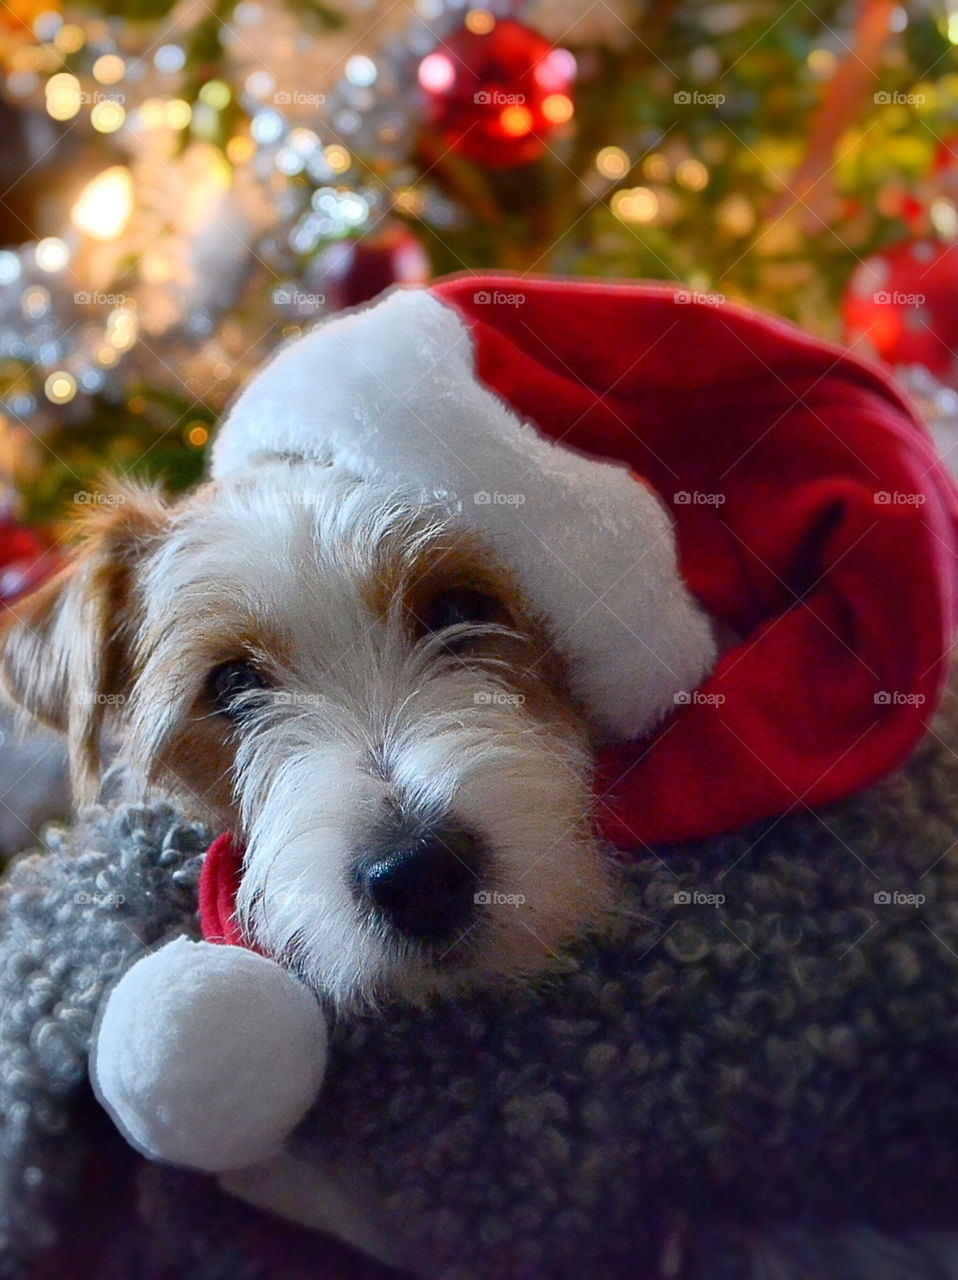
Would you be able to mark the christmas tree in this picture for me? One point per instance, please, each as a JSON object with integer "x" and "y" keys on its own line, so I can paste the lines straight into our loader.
{"x": 185, "y": 186}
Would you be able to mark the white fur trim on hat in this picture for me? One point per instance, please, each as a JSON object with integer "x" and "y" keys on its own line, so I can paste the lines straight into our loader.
{"x": 390, "y": 392}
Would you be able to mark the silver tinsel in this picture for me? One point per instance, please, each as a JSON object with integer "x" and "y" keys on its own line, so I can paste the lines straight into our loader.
{"x": 185, "y": 261}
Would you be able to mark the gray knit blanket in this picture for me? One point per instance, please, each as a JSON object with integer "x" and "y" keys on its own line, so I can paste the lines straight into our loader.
{"x": 757, "y": 1077}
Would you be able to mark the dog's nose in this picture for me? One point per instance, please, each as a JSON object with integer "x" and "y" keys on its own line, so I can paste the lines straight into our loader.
{"x": 427, "y": 887}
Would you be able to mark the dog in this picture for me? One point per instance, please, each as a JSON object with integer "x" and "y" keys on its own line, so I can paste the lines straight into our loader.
{"x": 334, "y": 671}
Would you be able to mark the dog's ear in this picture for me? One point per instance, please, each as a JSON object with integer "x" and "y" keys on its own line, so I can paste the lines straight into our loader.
{"x": 66, "y": 649}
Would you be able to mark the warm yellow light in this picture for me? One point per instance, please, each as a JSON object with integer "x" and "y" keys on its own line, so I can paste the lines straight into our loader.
{"x": 337, "y": 158}
{"x": 612, "y": 162}
{"x": 408, "y": 200}
{"x": 151, "y": 113}
{"x": 27, "y": 58}
{"x": 105, "y": 204}
{"x": 156, "y": 266}
{"x": 219, "y": 174}
{"x": 62, "y": 107}
{"x": 515, "y": 121}
{"x": 557, "y": 108}
{"x": 239, "y": 149}
{"x": 51, "y": 254}
{"x": 197, "y": 434}
{"x": 692, "y": 174}
{"x": 636, "y": 204}
{"x": 62, "y": 82}
{"x": 177, "y": 113}
{"x": 736, "y": 215}
{"x": 107, "y": 356}
{"x": 656, "y": 167}
{"x": 63, "y": 96}
{"x": 121, "y": 329}
{"x": 107, "y": 117}
{"x": 109, "y": 69}
{"x": 944, "y": 218}
{"x": 821, "y": 62}
{"x": 215, "y": 94}
{"x": 70, "y": 38}
{"x": 60, "y": 387}
{"x": 951, "y": 29}
{"x": 123, "y": 339}
{"x": 480, "y": 21}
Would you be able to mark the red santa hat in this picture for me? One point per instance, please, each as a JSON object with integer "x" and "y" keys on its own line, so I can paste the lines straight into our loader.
{"x": 788, "y": 492}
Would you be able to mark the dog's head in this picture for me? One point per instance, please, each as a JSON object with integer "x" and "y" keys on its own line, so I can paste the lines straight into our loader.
{"x": 349, "y": 682}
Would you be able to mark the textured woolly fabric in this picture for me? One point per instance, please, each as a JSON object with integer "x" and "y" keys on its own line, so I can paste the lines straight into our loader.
{"x": 758, "y": 1088}
{"x": 73, "y": 920}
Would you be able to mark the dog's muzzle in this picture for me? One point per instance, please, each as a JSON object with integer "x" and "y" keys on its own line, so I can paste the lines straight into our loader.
{"x": 425, "y": 887}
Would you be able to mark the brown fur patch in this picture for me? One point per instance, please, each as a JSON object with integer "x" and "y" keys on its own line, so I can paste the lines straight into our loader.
{"x": 532, "y": 667}
{"x": 66, "y": 648}
{"x": 195, "y": 763}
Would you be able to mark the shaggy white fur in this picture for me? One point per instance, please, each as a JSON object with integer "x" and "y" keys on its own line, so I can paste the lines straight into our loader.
{"x": 361, "y": 721}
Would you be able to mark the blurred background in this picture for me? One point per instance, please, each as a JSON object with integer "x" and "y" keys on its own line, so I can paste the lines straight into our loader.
{"x": 182, "y": 186}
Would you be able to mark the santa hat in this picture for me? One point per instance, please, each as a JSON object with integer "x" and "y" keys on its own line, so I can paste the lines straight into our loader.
{"x": 727, "y": 465}
{"x": 803, "y": 499}
{"x": 390, "y": 393}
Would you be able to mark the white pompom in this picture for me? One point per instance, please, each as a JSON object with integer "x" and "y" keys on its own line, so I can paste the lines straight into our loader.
{"x": 208, "y": 1056}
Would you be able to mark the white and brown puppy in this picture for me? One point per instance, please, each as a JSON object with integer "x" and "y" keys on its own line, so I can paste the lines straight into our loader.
{"x": 360, "y": 690}
{"x": 356, "y": 669}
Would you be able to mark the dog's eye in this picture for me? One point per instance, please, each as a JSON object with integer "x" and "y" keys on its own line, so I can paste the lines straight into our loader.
{"x": 227, "y": 682}
{"x": 464, "y": 606}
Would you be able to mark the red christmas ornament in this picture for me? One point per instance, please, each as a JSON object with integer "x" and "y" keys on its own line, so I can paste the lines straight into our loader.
{"x": 946, "y": 154}
{"x": 24, "y": 561}
{"x": 903, "y": 303}
{"x": 496, "y": 91}
{"x": 354, "y": 271}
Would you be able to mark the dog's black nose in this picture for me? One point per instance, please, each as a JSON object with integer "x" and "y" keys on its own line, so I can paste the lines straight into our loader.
{"x": 425, "y": 887}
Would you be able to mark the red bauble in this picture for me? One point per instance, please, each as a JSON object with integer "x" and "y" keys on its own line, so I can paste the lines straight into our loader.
{"x": 496, "y": 95}
{"x": 903, "y": 302}
{"x": 24, "y": 562}
{"x": 354, "y": 271}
